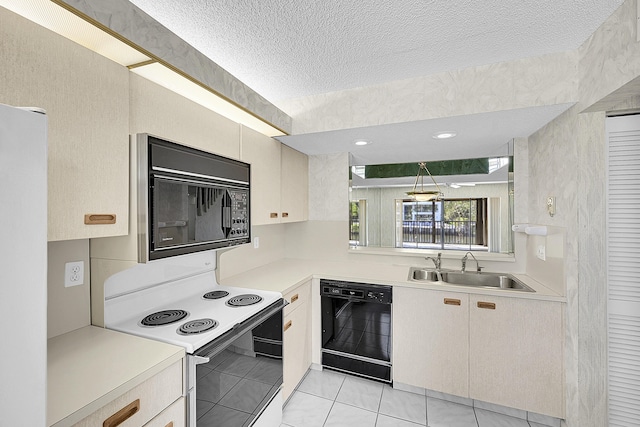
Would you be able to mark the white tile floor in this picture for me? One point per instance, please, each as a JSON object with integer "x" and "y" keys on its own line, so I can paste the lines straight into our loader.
{"x": 330, "y": 399}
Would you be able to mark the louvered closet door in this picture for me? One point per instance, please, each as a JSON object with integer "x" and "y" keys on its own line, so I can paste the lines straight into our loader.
{"x": 623, "y": 270}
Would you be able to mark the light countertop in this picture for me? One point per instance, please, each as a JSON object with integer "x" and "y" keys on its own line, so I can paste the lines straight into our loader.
{"x": 91, "y": 366}
{"x": 286, "y": 274}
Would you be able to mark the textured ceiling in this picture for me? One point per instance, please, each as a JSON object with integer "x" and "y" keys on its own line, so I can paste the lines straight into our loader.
{"x": 286, "y": 49}
{"x": 292, "y": 48}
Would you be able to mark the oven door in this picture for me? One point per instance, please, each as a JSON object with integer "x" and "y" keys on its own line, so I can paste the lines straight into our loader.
{"x": 232, "y": 381}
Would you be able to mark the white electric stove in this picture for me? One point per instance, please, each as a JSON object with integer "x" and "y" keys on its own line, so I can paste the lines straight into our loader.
{"x": 178, "y": 301}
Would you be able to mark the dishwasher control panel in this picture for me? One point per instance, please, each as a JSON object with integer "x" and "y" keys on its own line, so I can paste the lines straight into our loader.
{"x": 356, "y": 291}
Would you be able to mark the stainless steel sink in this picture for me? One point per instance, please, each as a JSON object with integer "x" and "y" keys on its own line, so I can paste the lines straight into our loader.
{"x": 421, "y": 274}
{"x": 477, "y": 280}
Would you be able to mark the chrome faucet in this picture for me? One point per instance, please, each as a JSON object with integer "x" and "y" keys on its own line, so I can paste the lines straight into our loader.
{"x": 436, "y": 261}
{"x": 464, "y": 262}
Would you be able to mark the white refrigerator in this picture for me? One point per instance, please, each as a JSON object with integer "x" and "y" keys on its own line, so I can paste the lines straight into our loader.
{"x": 23, "y": 267}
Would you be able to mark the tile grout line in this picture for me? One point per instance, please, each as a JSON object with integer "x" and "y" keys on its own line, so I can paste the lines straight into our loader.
{"x": 334, "y": 401}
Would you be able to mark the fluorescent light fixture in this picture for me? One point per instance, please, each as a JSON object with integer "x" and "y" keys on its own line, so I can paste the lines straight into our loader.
{"x": 55, "y": 16}
{"x": 59, "y": 20}
{"x": 181, "y": 85}
{"x": 444, "y": 135}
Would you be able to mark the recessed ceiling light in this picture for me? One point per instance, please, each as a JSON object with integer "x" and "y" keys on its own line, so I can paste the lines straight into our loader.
{"x": 444, "y": 135}
{"x": 362, "y": 142}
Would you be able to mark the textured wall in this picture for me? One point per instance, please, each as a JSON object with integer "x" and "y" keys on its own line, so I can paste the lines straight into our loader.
{"x": 329, "y": 187}
{"x": 545, "y": 80}
{"x": 610, "y": 59}
{"x": 550, "y": 150}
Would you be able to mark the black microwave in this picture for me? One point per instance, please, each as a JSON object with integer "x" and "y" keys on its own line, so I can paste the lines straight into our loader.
{"x": 189, "y": 200}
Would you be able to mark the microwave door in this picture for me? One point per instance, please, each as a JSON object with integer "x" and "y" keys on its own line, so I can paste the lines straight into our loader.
{"x": 209, "y": 218}
{"x": 227, "y": 214}
{"x": 171, "y": 212}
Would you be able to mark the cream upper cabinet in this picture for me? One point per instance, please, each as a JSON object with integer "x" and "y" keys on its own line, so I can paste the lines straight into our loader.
{"x": 294, "y": 203}
{"x": 516, "y": 353}
{"x": 163, "y": 113}
{"x": 296, "y": 337}
{"x": 431, "y": 339}
{"x": 86, "y": 99}
{"x": 279, "y": 179}
{"x": 263, "y": 153}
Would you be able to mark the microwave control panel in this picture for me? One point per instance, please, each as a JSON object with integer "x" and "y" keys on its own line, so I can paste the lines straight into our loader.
{"x": 239, "y": 213}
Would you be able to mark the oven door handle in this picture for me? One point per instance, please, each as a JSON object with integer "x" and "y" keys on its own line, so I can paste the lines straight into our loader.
{"x": 217, "y": 345}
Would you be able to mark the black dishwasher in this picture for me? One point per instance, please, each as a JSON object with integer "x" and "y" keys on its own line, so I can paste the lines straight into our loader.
{"x": 356, "y": 328}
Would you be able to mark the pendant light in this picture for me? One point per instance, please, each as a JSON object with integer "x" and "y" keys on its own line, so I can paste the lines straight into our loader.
{"x": 422, "y": 195}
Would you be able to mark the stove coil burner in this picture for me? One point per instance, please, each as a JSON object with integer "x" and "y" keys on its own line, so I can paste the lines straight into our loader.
{"x": 164, "y": 317}
{"x": 215, "y": 295}
{"x": 197, "y": 326}
{"x": 243, "y": 300}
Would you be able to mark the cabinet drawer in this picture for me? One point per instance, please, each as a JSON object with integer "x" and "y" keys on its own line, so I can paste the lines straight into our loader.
{"x": 173, "y": 416}
{"x": 297, "y": 297}
{"x": 140, "y": 404}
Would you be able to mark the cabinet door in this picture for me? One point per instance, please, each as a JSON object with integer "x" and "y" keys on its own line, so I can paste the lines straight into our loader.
{"x": 431, "y": 339}
{"x": 295, "y": 185}
{"x": 86, "y": 99}
{"x": 516, "y": 353}
{"x": 263, "y": 153}
{"x": 297, "y": 347}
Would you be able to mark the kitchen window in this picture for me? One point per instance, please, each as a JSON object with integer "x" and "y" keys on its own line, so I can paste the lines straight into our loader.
{"x": 445, "y": 224}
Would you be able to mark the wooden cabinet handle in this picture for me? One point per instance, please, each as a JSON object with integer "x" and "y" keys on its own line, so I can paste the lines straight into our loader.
{"x": 94, "y": 219}
{"x": 287, "y": 325}
{"x": 170, "y": 424}
{"x": 273, "y": 215}
{"x": 294, "y": 298}
{"x": 285, "y": 214}
{"x": 122, "y": 415}
{"x": 451, "y": 301}
{"x": 487, "y": 305}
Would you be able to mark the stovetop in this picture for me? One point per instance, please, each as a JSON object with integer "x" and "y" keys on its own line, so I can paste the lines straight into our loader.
{"x": 204, "y": 301}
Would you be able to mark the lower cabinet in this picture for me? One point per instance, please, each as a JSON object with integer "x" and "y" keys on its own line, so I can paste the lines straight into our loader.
{"x": 431, "y": 339}
{"x": 157, "y": 401}
{"x": 516, "y": 349}
{"x": 296, "y": 337}
{"x": 502, "y": 350}
{"x": 173, "y": 416}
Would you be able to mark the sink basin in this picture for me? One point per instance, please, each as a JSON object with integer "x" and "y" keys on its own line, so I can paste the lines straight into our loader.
{"x": 420, "y": 274}
{"x": 473, "y": 279}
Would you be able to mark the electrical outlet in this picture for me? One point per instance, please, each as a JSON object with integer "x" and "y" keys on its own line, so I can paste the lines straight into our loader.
{"x": 256, "y": 242}
{"x": 541, "y": 252}
{"x": 73, "y": 274}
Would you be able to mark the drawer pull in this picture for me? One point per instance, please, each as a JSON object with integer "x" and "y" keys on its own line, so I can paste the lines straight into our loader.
{"x": 273, "y": 215}
{"x": 451, "y": 301}
{"x": 294, "y": 298}
{"x": 122, "y": 415}
{"x": 287, "y": 325}
{"x": 170, "y": 424}
{"x": 487, "y": 305}
{"x": 285, "y": 214}
{"x": 94, "y": 219}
